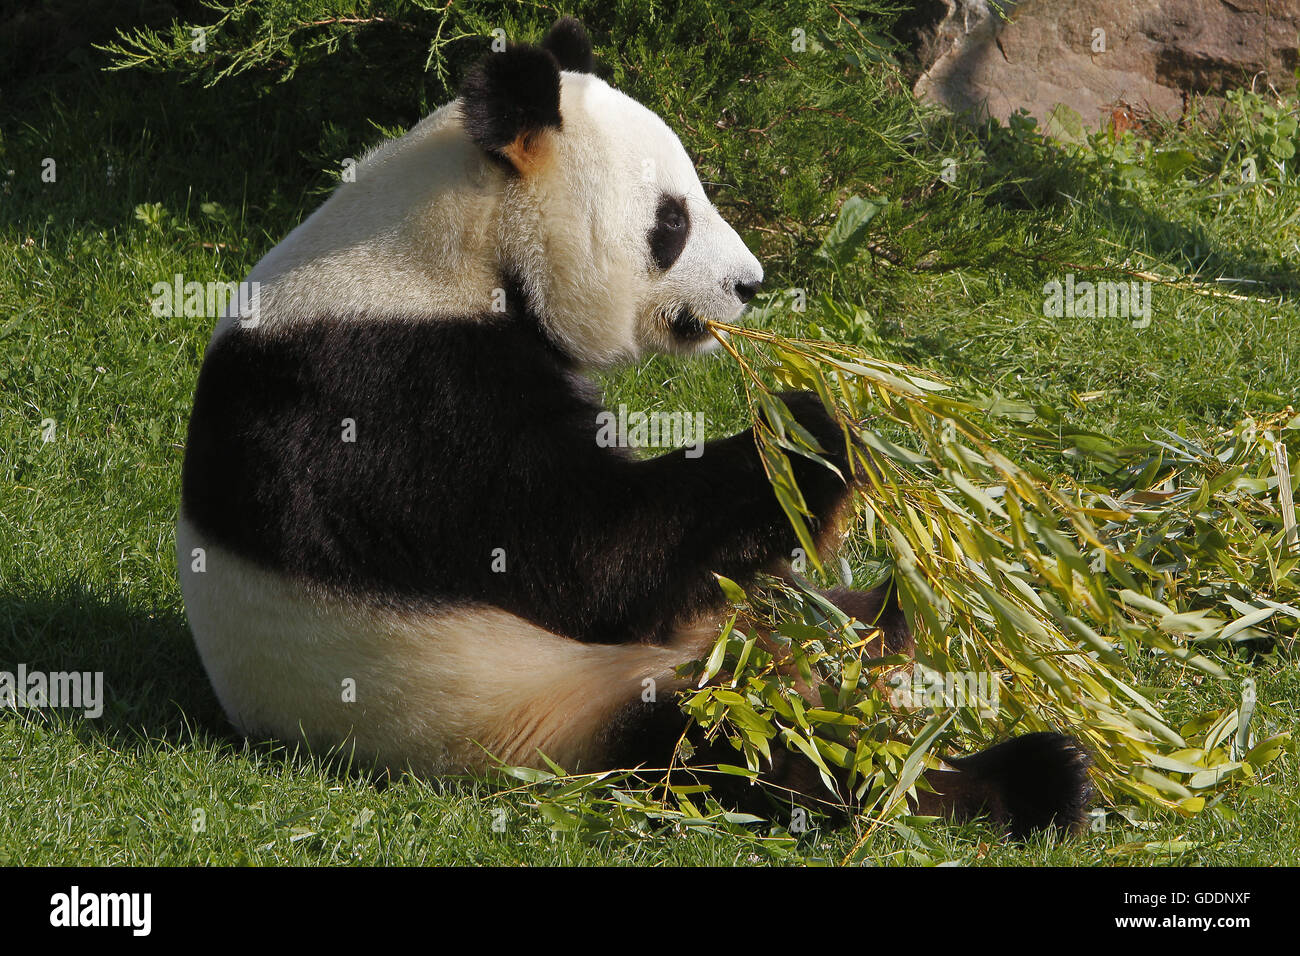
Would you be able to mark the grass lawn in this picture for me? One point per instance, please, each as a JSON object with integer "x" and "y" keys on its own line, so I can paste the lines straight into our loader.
{"x": 155, "y": 177}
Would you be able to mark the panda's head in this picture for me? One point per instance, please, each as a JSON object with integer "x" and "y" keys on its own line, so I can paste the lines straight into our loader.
{"x": 603, "y": 221}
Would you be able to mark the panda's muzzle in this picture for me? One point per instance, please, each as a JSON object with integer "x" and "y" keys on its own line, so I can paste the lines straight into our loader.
{"x": 685, "y": 324}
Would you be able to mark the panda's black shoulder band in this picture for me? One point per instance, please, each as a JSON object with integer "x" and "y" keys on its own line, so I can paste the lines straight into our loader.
{"x": 461, "y": 461}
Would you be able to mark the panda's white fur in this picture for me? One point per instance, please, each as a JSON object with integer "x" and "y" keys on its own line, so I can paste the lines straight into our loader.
{"x": 430, "y": 221}
{"x": 435, "y": 693}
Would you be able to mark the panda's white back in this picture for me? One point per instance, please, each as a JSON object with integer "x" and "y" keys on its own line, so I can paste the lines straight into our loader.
{"x": 414, "y": 232}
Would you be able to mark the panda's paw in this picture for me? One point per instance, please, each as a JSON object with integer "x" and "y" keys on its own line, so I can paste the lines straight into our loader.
{"x": 1026, "y": 784}
{"x": 827, "y": 492}
{"x": 812, "y": 416}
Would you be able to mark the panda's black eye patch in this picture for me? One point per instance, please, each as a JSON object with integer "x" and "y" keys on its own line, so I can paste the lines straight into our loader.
{"x": 672, "y": 226}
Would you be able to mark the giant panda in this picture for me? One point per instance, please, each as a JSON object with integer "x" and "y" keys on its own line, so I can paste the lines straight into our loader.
{"x": 398, "y": 536}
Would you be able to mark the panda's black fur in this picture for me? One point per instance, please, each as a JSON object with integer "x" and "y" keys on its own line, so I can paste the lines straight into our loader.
{"x": 568, "y": 42}
{"x": 474, "y": 441}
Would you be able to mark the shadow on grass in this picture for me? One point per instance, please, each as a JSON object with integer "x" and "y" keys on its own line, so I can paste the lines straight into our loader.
{"x": 258, "y": 147}
{"x": 153, "y": 682}
{"x": 1021, "y": 172}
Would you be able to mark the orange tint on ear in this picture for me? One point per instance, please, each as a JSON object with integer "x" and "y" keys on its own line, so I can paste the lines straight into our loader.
{"x": 528, "y": 152}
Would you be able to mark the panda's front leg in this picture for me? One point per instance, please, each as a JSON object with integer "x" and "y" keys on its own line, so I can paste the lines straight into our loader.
{"x": 724, "y": 515}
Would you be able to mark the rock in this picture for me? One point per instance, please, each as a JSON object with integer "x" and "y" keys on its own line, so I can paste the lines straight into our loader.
{"x": 1100, "y": 58}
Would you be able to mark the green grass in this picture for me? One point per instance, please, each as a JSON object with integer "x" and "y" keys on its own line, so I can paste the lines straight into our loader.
{"x": 87, "y": 573}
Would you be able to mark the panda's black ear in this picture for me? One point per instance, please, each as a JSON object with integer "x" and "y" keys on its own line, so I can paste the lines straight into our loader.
{"x": 509, "y": 100}
{"x": 570, "y": 45}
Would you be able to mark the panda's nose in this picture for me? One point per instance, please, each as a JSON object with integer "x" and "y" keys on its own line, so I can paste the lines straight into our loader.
{"x": 747, "y": 290}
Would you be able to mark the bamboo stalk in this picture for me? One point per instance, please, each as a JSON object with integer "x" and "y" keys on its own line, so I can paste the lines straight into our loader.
{"x": 1285, "y": 500}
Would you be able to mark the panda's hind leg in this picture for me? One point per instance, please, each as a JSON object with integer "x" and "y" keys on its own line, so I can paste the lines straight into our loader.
{"x": 1026, "y": 784}
{"x": 1029, "y": 783}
